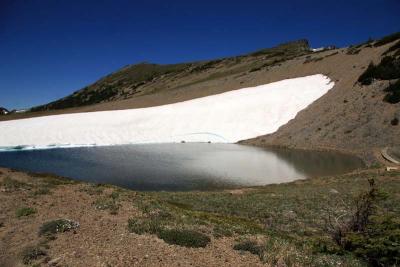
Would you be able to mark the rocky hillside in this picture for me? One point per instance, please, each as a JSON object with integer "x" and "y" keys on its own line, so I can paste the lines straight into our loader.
{"x": 361, "y": 113}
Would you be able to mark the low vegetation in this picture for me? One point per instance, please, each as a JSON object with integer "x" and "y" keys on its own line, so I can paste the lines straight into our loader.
{"x": 11, "y": 185}
{"x": 387, "y": 69}
{"x": 353, "y": 50}
{"x": 310, "y": 59}
{"x": 32, "y": 253}
{"x": 367, "y": 229}
{"x": 291, "y": 218}
{"x": 387, "y": 39}
{"x": 57, "y": 226}
{"x": 186, "y": 238}
{"x": 109, "y": 202}
{"x": 393, "y": 93}
{"x": 180, "y": 237}
{"x": 25, "y": 211}
{"x": 348, "y": 220}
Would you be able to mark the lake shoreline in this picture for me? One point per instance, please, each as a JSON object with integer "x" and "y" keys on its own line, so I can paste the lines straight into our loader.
{"x": 183, "y": 167}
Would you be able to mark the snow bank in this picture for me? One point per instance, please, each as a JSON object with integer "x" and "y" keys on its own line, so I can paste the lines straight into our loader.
{"x": 226, "y": 118}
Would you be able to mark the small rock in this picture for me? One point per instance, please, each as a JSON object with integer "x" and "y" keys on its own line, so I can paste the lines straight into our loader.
{"x": 54, "y": 262}
{"x": 333, "y": 191}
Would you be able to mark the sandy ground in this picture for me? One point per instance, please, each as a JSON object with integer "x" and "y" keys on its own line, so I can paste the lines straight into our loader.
{"x": 102, "y": 239}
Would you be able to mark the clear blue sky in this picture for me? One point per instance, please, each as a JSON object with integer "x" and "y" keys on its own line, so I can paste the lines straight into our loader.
{"x": 50, "y": 48}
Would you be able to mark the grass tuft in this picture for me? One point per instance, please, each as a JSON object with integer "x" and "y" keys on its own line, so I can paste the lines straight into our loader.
{"x": 25, "y": 211}
{"x": 12, "y": 185}
{"x": 185, "y": 238}
{"x": 143, "y": 225}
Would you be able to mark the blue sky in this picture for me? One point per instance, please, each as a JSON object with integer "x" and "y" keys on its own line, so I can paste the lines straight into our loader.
{"x": 50, "y": 48}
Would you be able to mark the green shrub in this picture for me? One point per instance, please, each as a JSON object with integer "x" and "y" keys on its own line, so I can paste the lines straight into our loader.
{"x": 387, "y": 39}
{"x": 367, "y": 231}
{"x": 394, "y": 47}
{"x": 393, "y": 93}
{"x": 368, "y": 75}
{"x": 185, "y": 238}
{"x": 57, "y": 226}
{"x": 353, "y": 50}
{"x": 379, "y": 244}
{"x": 32, "y": 253}
{"x": 387, "y": 69}
{"x": 25, "y": 211}
{"x": 251, "y": 246}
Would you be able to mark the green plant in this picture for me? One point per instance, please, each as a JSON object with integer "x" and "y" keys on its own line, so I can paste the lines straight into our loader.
{"x": 379, "y": 243}
{"x": 355, "y": 218}
{"x": 367, "y": 76}
{"x": 393, "y": 93}
{"x": 393, "y": 48}
{"x": 57, "y": 226}
{"x": 25, "y": 211}
{"x": 368, "y": 231}
{"x": 143, "y": 225}
{"x": 106, "y": 203}
{"x": 41, "y": 191}
{"x": 32, "y": 253}
{"x": 250, "y": 246}
{"x": 186, "y": 238}
{"x": 387, "y": 39}
{"x": 11, "y": 185}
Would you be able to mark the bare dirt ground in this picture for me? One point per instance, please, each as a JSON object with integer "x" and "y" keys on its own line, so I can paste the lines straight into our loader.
{"x": 102, "y": 239}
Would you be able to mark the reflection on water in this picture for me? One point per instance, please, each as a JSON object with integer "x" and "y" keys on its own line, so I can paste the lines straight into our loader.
{"x": 190, "y": 166}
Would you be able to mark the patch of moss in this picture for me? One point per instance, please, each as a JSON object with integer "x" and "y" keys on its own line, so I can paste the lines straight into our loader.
{"x": 25, "y": 211}
{"x": 186, "y": 238}
{"x": 250, "y": 246}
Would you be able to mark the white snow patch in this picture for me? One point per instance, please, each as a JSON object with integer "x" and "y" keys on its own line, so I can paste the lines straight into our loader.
{"x": 225, "y": 118}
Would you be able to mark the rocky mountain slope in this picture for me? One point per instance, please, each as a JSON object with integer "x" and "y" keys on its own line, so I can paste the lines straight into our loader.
{"x": 360, "y": 114}
{"x": 146, "y": 78}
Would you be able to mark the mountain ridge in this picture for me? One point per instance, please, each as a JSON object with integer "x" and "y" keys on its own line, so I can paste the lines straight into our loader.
{"x": 129, "y": 80}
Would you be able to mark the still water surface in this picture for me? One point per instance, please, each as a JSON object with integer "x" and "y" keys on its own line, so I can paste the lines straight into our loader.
{"x": 176, "y": 167}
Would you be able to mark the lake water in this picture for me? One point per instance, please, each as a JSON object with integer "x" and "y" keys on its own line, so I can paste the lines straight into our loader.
{"x": 176, "y": 167}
